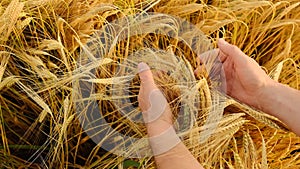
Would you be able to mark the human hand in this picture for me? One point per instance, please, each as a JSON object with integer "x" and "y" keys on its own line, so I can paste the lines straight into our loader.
{"x": 168, "y": 150}
{"x": 245, "y": 80}
{"x": 156, "y": 110}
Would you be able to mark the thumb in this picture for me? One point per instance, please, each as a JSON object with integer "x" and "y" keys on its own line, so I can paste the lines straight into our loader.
{"x": 151, "y": 100}
{"x": 146, "y": 77}
{"x": 232, "y": 51}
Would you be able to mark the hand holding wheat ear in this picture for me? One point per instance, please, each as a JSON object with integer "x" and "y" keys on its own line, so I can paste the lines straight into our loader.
{"x": 160, "y": 129}
{"x": 245, "y": 80}
{"x": 152, "y": 102}
{"x": 248, "y": 83}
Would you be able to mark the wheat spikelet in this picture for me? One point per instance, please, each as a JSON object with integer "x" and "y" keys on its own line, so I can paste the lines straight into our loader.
{"x": 41, "y": 42}
{"x": 9, "y": 18}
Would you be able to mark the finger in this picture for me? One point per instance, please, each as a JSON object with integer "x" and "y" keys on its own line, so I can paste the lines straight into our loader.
{"x": 146, "y": 77}
{"x": 200, "y": 71}
{"x": 207, "y": 56}
{"x": 147, "y": 85}
{"x": 228, "y": 50}
{"x": 205, "y": 61}
{"x": 222, "y": 56}
{"x": 153, "y": 100}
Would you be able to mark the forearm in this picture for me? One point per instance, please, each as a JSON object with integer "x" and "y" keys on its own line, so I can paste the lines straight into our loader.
{"x": 168, "y": 150}
{"x": 282, "y": 102}
{"x": 178, "y": 157}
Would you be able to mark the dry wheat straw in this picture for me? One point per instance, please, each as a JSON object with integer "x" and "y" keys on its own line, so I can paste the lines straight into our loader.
{"x": 40, "y": 42}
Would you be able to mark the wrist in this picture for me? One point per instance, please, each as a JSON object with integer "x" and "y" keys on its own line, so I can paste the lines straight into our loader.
{"x": 157, "y": 127}
{"x": 268, "y": 96}
{"x": 164, "y": 142}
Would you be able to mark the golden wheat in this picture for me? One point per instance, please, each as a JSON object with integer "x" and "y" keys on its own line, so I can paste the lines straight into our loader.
{"x": 41, "y": 42}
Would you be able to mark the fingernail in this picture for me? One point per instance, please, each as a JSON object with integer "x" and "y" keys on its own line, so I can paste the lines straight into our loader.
{"x": 143, "y": 67}
{"x": 222, "y": 42}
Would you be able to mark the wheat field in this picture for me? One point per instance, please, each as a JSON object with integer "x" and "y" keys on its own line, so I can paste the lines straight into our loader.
{"x": 41, "y": 42}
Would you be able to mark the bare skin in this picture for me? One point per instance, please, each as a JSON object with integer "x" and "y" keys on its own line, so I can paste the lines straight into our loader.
{"x": 245, "y": 81}
{"x": 178, "y": 157}
{"x": 248, "y": 83}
